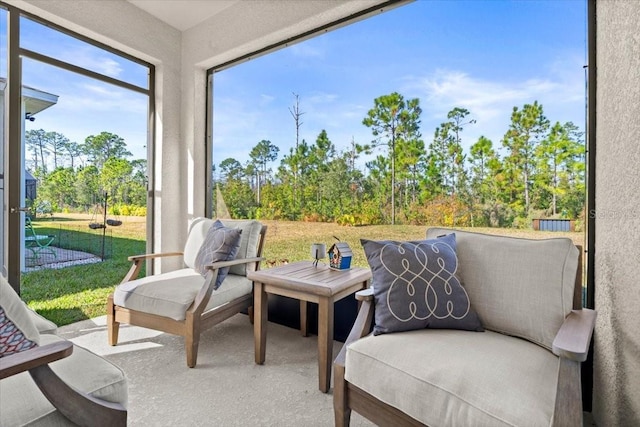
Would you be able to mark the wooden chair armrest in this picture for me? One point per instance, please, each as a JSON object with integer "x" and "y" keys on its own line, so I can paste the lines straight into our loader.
{"x": 25, "y": 360}
{"x": 202, "y": 299}
{"x": 138, "y": 260}
{"x": 361, "y": 327}
{"x": 574, "y": 337}
{"x": 143, "y": 257}
{"x": 221, "y": 264}
{"x": 80, "y": 408}
{"x": 365, "y": 295}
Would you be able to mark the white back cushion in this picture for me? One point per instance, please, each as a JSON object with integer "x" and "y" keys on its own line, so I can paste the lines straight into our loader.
{"x": 519, "y": 287}
{"x": 197, "y": 233}
{"x": 248, "y": 240}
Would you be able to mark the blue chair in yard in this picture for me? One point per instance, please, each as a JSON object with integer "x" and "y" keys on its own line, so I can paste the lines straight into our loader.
{"x": 38, "y": 243}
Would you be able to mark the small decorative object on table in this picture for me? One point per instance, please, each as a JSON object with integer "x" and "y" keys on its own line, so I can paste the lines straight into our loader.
{"x": 317, "y": 252}
{"x": 340, "y": 255}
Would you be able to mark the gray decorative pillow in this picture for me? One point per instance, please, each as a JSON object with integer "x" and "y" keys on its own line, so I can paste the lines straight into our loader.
{"x": 415, "y": 286}
{"x": 220, "y": 244}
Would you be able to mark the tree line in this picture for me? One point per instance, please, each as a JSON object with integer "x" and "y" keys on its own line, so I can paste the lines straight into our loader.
{"x": 75, "y": 176}
{"x": 537, "y": 169}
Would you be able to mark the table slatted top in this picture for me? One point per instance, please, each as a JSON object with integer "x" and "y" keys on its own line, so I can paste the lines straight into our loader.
{"x": 304, "y": 276}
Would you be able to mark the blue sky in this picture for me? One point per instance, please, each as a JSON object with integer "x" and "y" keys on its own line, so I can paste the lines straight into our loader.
{"x": 85, "y": 106}
{"x": 486, "y": 56}
{"x": 88, "y": 107}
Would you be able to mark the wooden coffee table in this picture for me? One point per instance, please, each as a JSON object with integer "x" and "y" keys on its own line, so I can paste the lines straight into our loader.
{"x": 307, "y": 283}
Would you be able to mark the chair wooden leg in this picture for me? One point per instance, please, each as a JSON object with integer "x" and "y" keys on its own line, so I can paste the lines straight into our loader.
{"x": 568, "y": 410}
{"x": 113, "y": 327}
{"x": 192, "y": 339}
{"x": 191, "y": 346}
{"x": 342, "y": 412}
{"x": 250, "y": 311}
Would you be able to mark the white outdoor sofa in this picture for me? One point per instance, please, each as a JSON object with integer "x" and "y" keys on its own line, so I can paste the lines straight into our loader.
{"x": 56, "y": 383}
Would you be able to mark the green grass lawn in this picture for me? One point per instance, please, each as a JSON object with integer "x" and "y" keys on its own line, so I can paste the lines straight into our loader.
{"x": 76, "y": 293}
{"x": 80, "y": 292}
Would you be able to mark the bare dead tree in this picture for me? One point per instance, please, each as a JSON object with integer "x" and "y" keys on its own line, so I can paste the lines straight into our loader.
{"x": 296, "y": 114}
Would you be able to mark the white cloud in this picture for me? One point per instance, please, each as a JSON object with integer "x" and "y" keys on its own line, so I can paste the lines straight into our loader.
{"x": 491, "y": 102}
{"x": 92, "y": 98}
{"x": 109, "y": 67}
{"x": 265, "y": 99}
{"x": 92, "y": 59}
{"x": 307, "y": 50}
{"x": 321, "y": 98}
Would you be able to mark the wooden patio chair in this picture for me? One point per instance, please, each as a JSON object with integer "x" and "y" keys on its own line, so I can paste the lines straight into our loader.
{"x": 183, "y": 302}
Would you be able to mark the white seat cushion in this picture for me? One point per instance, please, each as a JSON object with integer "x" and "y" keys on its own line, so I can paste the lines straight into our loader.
{"x": 22, "y": 403}
{"x": 43, "y": 325}
{"x": 170, "y": 294}
{"x": 440, "y": 377}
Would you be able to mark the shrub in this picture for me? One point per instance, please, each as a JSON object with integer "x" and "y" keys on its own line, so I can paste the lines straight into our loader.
{"x": 127, "y": 210}
{"x": 446, "y": 211}
{"x": 139, "y": 211}
{"x": 371, "y": 213}
{"x": 346, "y": 219}
{"x": 521, "y": 223}
{"x": 313, "y": 217}
{"x": 495, "y": 214}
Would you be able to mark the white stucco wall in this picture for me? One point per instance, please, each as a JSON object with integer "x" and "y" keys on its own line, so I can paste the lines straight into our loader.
{"x": 616, "y": 400}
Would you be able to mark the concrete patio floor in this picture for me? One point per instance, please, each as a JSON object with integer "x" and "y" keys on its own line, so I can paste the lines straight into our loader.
{"x": 226, "y": 388}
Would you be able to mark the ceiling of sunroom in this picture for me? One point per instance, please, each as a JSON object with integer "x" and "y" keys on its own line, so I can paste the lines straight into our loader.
{"x": 183, "y": 14}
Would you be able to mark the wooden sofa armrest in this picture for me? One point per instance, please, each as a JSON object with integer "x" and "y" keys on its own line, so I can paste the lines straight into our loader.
{"x": 138, "y": 260}
{"x": 362, "y": 325}
{"x": 80, "y": 408}
{"x": 25, "y": 360}
{"x": 573, "y": 339}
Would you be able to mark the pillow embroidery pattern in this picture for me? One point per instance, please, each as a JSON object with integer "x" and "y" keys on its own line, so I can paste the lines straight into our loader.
{"x": 220, "y": 244}
{"x": 12, "y": 340}
{"x": 435, "y": 275}
{"x": 415, "y": 286}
